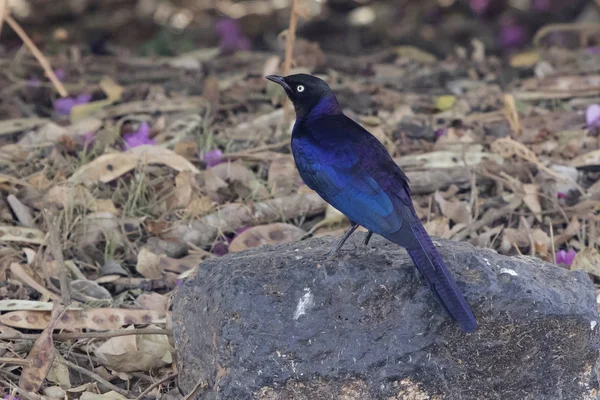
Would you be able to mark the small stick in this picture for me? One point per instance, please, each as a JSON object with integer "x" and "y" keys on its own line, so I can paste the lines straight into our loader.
{"x": 155, "y": 384}
{"x": 56, "y": 250}
{"x": 258, "y": 149}
{"x": 3, "y": 12}
{"x": 95, "y": 377}
{"x": 287, "y": 63}
{"x": 199, "y": 386}
{"x": 14, "y": 361}
{"x": 38, "y": 55}
{"x": 487, "y": 218}
{"x": 91, "y": 335}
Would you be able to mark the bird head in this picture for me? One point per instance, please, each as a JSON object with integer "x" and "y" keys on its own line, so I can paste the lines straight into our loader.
{"x": 306, "y": 92}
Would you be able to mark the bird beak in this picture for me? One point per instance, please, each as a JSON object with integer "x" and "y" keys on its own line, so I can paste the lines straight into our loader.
{"x": 280, "y": 81}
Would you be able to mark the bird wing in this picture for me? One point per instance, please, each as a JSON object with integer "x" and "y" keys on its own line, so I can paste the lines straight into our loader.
{"x": 336, "y": 173}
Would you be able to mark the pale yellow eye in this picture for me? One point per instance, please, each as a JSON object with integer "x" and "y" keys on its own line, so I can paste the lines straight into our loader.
{"x": 299, "y": 88}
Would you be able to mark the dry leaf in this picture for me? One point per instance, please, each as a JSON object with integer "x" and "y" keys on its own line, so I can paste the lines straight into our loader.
{"x": 588, "y": 260}
{"x": 532, "y": 199}
{"x": 136, "y": 352}
{"x": 86, "y": 290}
{"x": 112, "y": 395}
{"x": 108, "y": 167}
{"x": 472, "y": 156}
{"x": 148, "y": 264}
{"x": 182, "y": 195}
{"x": 16, "y": 305}
{"x": 113, "y": 93}
{"x": 332, "y": 217}
{"x": 153, "y": 301}
{"x": 19, "y": 273}
{"x": 283, "y": 177}
{"x": 40, "y": 356}
{"x": 71, "y": 196}
{"x": 97, "y": 227}
{"x": 187, "y": 149}
{"x": 23, "y": 235}
{"x": 439, "y": 227}
{"x": 589, "y": 159}
{"x": 179, "y": 265}
{"x": 266, "y": 234}
{"x": 233, "y": 173}
{"x": 59, "y": 372}
{"x": 55, "y": 392}
{"x": 457, "y": 211}
{"x": 523, "y": 238}
{"x": 571, "y": 230}
{"x": 97, "y": 319}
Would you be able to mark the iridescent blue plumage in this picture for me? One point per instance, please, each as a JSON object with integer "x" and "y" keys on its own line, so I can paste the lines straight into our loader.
{"x": 353, "y": 172}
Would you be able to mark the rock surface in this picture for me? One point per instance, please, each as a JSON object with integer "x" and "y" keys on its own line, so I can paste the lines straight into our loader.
{"x": 284, "y": 323}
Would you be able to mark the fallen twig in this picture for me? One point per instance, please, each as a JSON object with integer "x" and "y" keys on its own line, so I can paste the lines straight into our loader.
{"x": 95, "y": 377}
{"x": 38, "y": 55}
{"x": 289, "y": 50}
{"x": 3, "y": 12}
{"x": 56, "y": 250}
{"x": 157, "y": 383}
{"x": 91, "y": 335}
{"x": 487, "y": 219}
{"x": 233, "y": 216}
{"x": 14, "y": 361}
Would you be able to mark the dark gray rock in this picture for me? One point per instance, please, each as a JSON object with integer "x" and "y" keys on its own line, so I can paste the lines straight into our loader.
{"x": 284, "y": 323}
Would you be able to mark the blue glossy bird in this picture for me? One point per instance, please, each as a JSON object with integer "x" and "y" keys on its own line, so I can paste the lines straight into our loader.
{"x": 352, "y": 171}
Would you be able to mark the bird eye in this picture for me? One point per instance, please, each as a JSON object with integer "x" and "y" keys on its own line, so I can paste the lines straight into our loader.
{"x": 299, "y": 88}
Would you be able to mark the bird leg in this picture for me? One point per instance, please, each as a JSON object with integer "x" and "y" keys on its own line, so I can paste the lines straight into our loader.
{"x": 338, "y": 245}
{"x": 366, "y": 242}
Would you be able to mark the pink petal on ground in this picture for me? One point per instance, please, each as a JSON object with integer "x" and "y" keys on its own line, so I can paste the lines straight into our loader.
{"x": 220, "y": 249}
{"x": 139, "y": 138}
{"x": 592, "y": 116}
{"x": 231, "y": 36}
{"x": 565, "y": 257}
{"x": 541, "y": 5}
{"x": 64, "y": 105}
{"x": 88, "y": 139}
{"x": 560, "y": 256}
{"x": 512, "y": 35}
{"x": 60, "y": 74}
{"x": 570, "y": 256}
{"x": 479, "y": 6}
{"x": 212, "y": 158}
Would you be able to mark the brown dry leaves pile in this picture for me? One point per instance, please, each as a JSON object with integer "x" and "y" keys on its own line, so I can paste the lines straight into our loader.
{"x": 509, "y": 171}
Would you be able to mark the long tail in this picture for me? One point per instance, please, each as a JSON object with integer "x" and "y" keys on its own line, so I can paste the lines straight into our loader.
{"x": 433, "y": 270}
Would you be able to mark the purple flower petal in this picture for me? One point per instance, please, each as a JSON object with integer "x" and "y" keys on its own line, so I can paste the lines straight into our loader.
{"x": 60, "y": 74}
{"x": 88, "y": 139}
{"x": 212, "y": 158}
{"x": 541, "y": 5}
{"x": 592, "y": 116}
{"x": 441, "y": 132}
{"x": 220, "y": 249}
{"x": 33, "y": 82}
{"x": 64, "y": 105}
{"x": 139, "y": 138}
{"x": 561, "y": 195}
{"x": 592, "y": 50}
{"x": 512, "y": 36}
{"x": 231, "y": 36}
{"x": 565, "y": 257}
{"x": 479, "y": 6}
